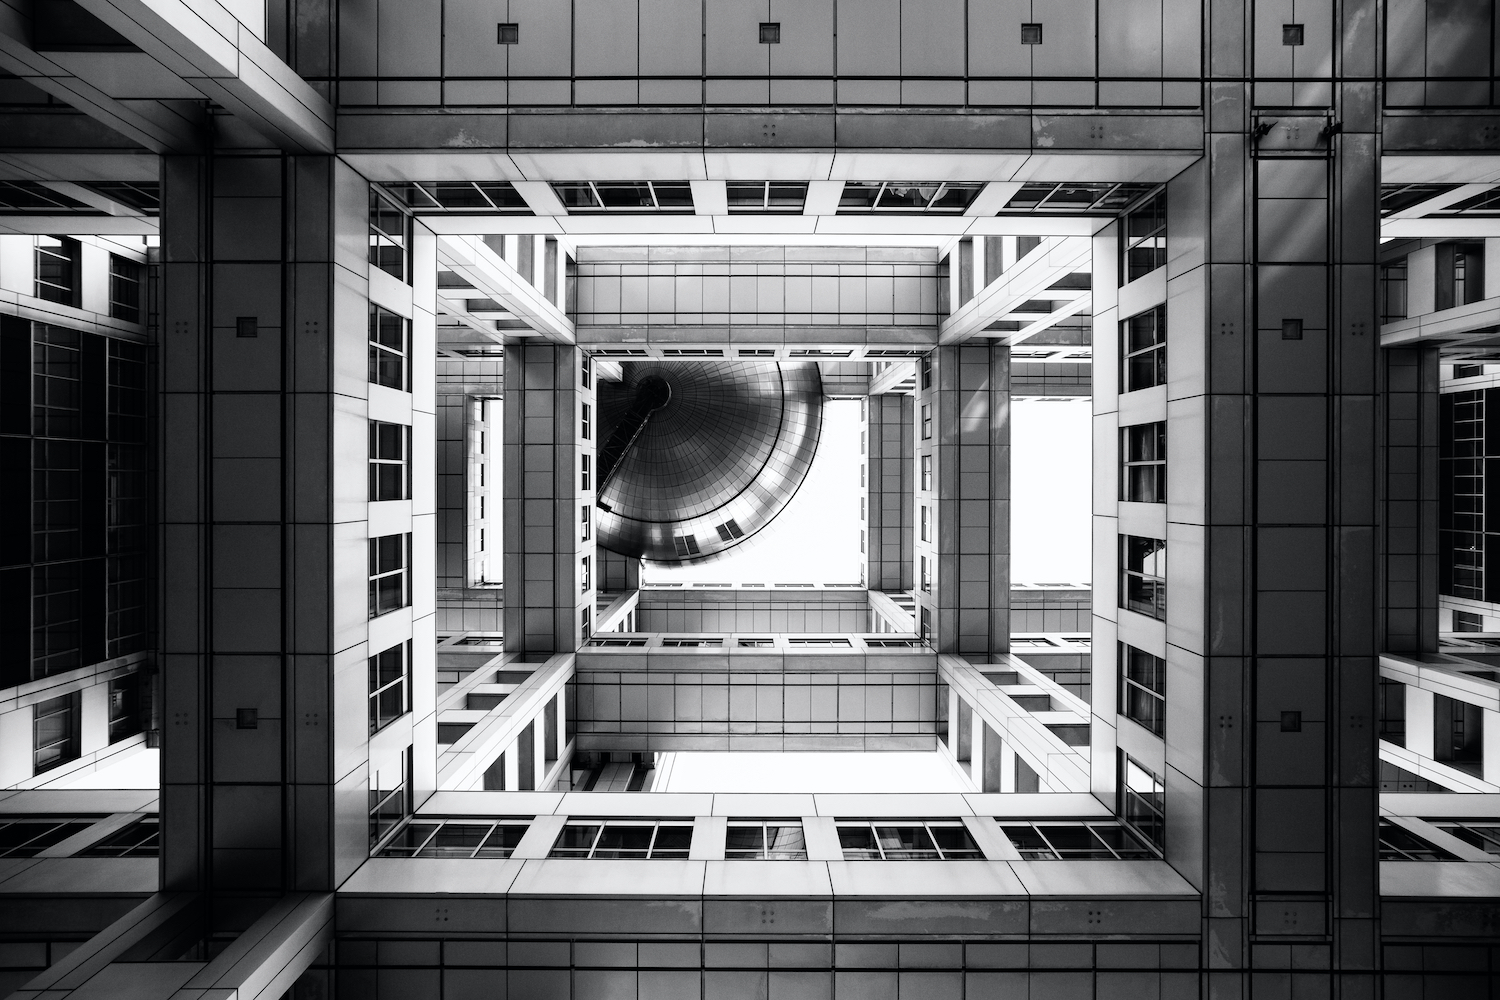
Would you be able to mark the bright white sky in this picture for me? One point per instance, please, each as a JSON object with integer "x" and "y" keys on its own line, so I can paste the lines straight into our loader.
{"x": 816, "y": 539}
{"x": 895, "y": 771}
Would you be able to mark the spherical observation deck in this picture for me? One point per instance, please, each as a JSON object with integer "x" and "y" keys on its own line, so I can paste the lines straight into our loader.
{"x": 697, "y": 456}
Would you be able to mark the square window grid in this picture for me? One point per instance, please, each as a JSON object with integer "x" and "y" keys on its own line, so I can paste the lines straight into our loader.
{"x": 390, "y": 461}
{"x": 1143, "y": 350}
{"x": 1143, "y": 238}
{"x": 139, "y": 839}
{"x": 755, "y": 197}
{"x": 390, "y": 556}
{"x": 28, "y": 836}
{"x": 602, "y": 197}
{"x": 1143, "y": 576}
{"x": 907, "y": 197}
{"x": 390, "y": 236}
{"x": 625, "y": 839}
{"x": 765, "y": 840}
{"x": 1400, "y": 844}
{"x": 907, "y": 840}
{"x": 1143, "y": 688}
{"x": 390, "y": 341}
{"x": 457, "y": 838}
{"x": 1075, "y": 840}
{"x": 1143, "y": 463}
{"x": 389, "y": 690}
{"x": 1483, "y": 833}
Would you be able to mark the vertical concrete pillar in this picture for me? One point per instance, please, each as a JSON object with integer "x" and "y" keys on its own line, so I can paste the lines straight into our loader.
{"x": 266, "y": 626}
{"x": 888, "y": 493}
{"x": 546, "y": 611}
{"x": 962, "y": 425}
{"x": 1291, "y": 557}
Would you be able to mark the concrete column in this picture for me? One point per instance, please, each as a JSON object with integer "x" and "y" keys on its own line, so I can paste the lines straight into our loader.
{"x": 1419, "y": 721}
{"x": 889, "y": 490}
{"x": 968, "y": 408}
{"x": 545, "y": 611}
{"x": 1492, "y": 747}
{"x": 1284, "y": 327}
{"x": 265, "y": 625}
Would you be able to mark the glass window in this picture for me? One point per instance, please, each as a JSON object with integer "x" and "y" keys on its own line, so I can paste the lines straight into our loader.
{"x": 927, "y": 472}
{"x": 390, "y": 237}
{"x": 1143, "y": 576}
{"x": 28, "y": 836}
{"x": 926, "y": 576}
{"x": 927, "y": 626}
{"x": 583, "y": 473}
{"x": 390, "y": 341}
{"x": 1142, "y": 800}
{"x": 1143, "y": 463}
{"x": 765, "y": 196}
{"x": 584, "y": 577}
{"x": 389, "y": 799}
{"x": 124, "y": 289}
{"x": 585, "y": 421}
{"x": 905, "y": 197}
{"x": 1143, "y": 688}
{"x": 926, "y": 422}
{"x": 389, "y": 691}
{"x": 1392, "y": 710}
{"x": 925, "y": 524}
{"x": 1458, "y": 734}
{"x": 124, "y": 706}
{"x": 1143, "y": 350}
{"x": 621, "y": 839}
{"x": 56, "y": 727}
{"x": 1481, "y": 833}
{"x": 1399, "y": 844}
{"x": 457, "y": 838}
{"x": 907, "y": 840}
{"x": 1074, "y": 841}
{"x": 1467, "y": 621}
{"x": 390, "y": 461}
{"x": 595, "y": 197}
{"x": 140, "y": 839}
{"x": 765, "y": 840}
{"x": 57, "y": 269}
{"x": 390, "y": 579}
{"x": 585, "y": 525}
{"x": 1143, "y": 238}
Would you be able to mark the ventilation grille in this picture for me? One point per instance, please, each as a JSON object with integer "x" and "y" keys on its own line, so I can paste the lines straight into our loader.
{"x": 687, "y": 545}
{"x": 894, "y": 354}
{"x": 764, "y": 352}
{"x": 619, "y": 352}
{"x": 691, "y": 352}
{"x": 815, "y": 352}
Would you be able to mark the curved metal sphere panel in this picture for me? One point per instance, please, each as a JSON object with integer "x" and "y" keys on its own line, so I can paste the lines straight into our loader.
{"x": 697, "y": 456}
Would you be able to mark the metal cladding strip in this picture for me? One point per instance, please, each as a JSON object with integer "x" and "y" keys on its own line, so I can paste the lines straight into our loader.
{"x": 716, "y": 463}
{"x": 82, "y": 964}
{"x": 267, "y": 958}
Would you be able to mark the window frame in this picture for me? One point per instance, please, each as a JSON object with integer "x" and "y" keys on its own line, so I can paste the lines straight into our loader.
{"x": 379, "y": 689}
{"x": 1152, "y": 585}
{"x": 1154, "y": 209}
{"x": 1139, "y": 701}
{"x": 1143, "y": 479}
{"x": 603, "y": 825}
{"x": 971, "y": 853}
{"x": 1153, "y": 355}
{"x": 386, "y": 244}
{"x": 66, "y": 256}
{"x": 379, "y": 462}
{"x": 765, "y": 852}
{"x": 68, "y": 744}
{"x": 126, "y": 280}
{"x": 376, "y": 574}
{"x": 382, "y": 354}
